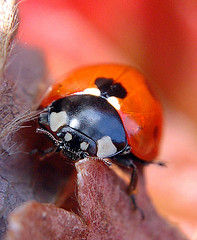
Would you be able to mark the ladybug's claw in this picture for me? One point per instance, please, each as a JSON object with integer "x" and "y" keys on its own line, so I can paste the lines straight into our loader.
{"x": 104, "y": 160}
{"x": 136, "y": 207}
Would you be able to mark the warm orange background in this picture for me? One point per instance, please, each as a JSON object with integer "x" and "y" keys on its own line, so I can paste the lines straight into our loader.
{"x": 159, "y": 38}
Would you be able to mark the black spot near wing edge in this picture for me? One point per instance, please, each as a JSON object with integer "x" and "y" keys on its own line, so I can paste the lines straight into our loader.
{"x": 108, "y": 88}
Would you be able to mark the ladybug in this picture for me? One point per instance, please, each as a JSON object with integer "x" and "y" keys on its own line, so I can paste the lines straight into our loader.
{"x": 105, "y": 112}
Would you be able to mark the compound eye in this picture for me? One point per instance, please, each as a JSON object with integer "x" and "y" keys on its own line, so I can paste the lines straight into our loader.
{"x": 61, "y": 134}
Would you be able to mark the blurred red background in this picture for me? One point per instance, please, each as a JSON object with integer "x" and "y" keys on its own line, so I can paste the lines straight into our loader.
{"x": 157, "y": 37}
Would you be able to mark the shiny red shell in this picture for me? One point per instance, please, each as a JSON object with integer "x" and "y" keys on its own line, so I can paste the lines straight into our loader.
{"x": 140, "y": 112}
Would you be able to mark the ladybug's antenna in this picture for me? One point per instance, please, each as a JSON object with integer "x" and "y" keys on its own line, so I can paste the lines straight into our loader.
{"x": 47, "y": 133}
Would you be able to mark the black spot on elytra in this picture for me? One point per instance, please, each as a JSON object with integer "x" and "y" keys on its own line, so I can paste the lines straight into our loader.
{"x": 108, "y": 88}
{"x": 156, "y": 132}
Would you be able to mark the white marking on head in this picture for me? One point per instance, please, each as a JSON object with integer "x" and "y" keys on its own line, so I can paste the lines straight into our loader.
{"x": 84, "y": 146}
{"x": 114, "y": 102}
{"x": 105, "y": 147}
{"x": 92, "y": 91}
{"x": 68, "y": 136}
{"x": 58, "y": 120}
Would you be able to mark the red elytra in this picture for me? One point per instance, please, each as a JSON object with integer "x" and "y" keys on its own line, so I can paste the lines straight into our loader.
{"x": 140, "y": 111}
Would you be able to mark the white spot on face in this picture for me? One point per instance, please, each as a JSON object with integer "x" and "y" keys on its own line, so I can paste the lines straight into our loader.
{"x": 105, "y": 147}
{"x": 68, "y": 136}
{"x": 58, "y": 120}
{"x": 114, "y": 102}
{"x": 92, "y": 91}
{"x": 84, "y": 146}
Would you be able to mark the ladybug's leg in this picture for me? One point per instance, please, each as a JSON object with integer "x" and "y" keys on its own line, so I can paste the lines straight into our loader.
{"x": 44, "y": 154}
{"x": 134, "y": 178}
{"x": 136, "y": 206}
{"x": 159, "y": 163}
{"x": 145, "y": 163}
{"x": 132, "y": 187}
{"x": 49, "y": 151}
{"x": 126, "y": 161}
{"x": 104, "y": 160}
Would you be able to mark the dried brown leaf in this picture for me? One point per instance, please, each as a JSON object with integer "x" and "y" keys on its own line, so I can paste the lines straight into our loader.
{"x": 106, "y": 212}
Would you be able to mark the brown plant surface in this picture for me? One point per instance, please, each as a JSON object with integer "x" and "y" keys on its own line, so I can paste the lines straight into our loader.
{"x": 105, "y": 212}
